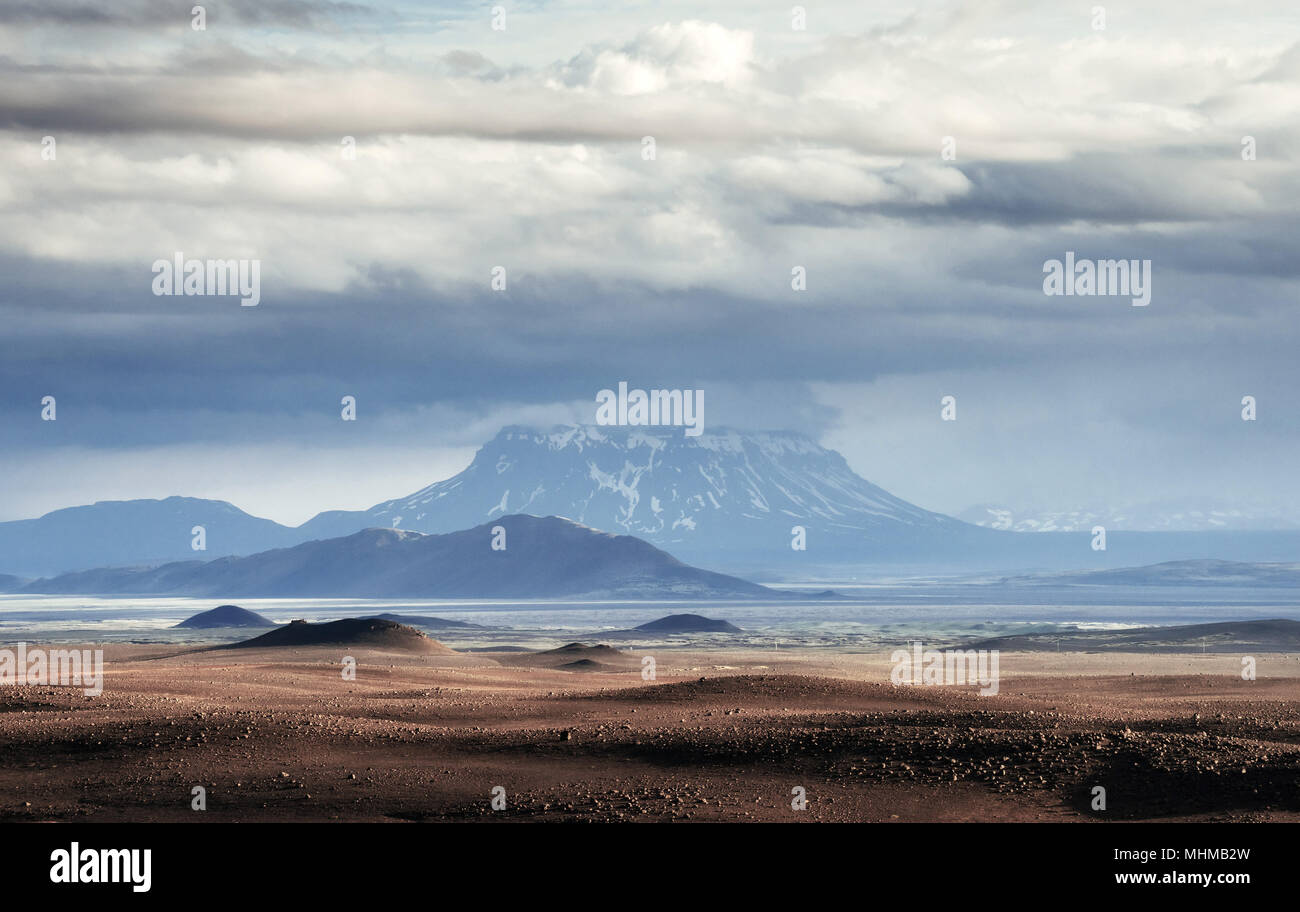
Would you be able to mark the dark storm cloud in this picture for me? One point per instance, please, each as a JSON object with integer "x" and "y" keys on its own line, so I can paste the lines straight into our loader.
{"x": 108, "y": 352}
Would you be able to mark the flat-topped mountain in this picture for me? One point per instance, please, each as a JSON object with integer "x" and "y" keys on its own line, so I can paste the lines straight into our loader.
{"x": 539, "y": 557}
{"x": 368, "y": 632}
{"x": 725, "y": 491}
{"x": 226, "y": 616}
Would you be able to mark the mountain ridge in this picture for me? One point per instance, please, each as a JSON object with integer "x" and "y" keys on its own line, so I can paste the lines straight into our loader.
{"x": 540, "y": 557}
{"x": 728, "y": 499}
{"x": 1198, "y": 572}
{"x": 141, "y": 531}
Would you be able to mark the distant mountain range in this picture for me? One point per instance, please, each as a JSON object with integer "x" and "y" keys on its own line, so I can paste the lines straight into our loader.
{"x": 717, "y": 496}
{"x": 119, "y": 532}
{"x": 1177, "y": 573}
{"x": 726, "y": 499}
{"x": 543, "y": 558}
{"x": 1153, "y": 516}
{"x": 1270, "y": 635}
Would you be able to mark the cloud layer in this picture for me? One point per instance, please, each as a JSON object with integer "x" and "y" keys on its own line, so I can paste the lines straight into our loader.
{"x": 773, "y": 148}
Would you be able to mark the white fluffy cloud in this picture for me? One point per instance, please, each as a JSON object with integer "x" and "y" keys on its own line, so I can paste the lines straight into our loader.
{"x": 464, "y": 165}
{"x": 672, "y": 55}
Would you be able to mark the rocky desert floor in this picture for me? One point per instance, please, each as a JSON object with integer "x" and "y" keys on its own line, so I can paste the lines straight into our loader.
{"x": 280, "y": 735}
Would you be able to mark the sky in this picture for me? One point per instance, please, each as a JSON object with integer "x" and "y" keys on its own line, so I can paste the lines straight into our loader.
{"x": 919, "y": 162}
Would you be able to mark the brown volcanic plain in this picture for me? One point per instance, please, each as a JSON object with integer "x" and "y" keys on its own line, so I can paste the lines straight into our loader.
{"x": 277, "y": 734}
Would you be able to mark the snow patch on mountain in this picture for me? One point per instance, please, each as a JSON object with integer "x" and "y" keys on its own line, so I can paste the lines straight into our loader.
{"x": 723, "y": 489}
